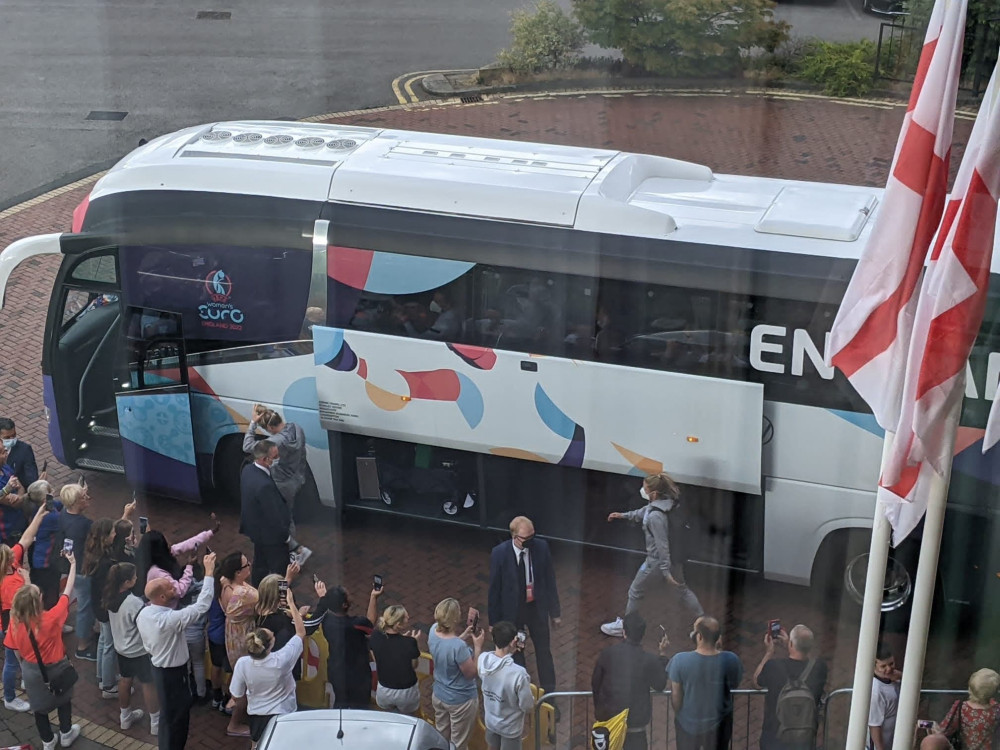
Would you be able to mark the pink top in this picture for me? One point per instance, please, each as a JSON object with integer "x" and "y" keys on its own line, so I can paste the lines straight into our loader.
{"x": 182, "y": 584}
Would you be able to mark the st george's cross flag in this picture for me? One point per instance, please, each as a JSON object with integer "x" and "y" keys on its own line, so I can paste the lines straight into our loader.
{"x": 870, "y": 338}
{"x": 949, "y": 314}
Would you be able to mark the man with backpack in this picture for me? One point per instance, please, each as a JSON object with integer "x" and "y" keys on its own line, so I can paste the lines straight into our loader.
{"x": 663, "y": 560}
{"x": 794, "y": 687}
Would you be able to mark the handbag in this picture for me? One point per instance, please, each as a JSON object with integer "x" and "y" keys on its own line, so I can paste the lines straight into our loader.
{"x": 60, "y": 677}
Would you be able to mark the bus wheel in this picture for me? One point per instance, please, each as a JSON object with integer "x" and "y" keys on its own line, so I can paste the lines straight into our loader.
{"x": 839, "y": 572}
{"x": 228, "y": 464}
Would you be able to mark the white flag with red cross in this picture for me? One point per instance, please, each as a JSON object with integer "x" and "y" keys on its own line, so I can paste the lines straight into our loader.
{"x": 948, "y": 318}
{"x": 870, "y": 337}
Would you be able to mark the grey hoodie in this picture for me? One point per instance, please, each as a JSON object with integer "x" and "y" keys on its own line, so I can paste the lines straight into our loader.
{"x": 507, "y": 695}
{"x": 656, "y": 527}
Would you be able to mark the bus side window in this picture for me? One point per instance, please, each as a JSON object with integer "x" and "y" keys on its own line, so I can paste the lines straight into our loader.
{"x": 76, "y": 301}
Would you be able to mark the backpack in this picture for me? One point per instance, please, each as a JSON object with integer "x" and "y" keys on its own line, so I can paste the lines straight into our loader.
{"x": 796, "y": 709}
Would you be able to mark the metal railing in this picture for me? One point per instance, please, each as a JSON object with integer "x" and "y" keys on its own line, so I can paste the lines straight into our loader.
{"x": 662, "y": 715}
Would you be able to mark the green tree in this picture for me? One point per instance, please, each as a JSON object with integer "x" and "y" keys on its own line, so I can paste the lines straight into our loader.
{"x": 544, "y": 38}
{"x": 683, "y": 37}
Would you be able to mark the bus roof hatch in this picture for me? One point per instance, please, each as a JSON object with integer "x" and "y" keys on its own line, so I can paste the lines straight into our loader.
{"x": 822, "y": 214}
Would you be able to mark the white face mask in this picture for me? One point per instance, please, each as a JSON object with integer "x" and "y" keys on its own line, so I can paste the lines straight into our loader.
{"x": 8, "y": 443}
{"x": 434, "y": 307}
{"x": 643, "y": 494}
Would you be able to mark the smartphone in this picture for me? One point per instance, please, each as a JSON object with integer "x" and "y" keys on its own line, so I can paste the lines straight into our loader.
{"x": 522, "y": 637}
{"x": 315, "y": 579}
{"x": 45, "y": 465}
{"x": 293, "y": 558}
{"x": 377, "y": 582}
{"x": 67, "y": 546}
{"x": 81, "y": 481}
{"x": 208, "y": 550}
{"x": 283, "y": 591}
{"x": 925, "y": 724}
{"x": 143, "y": 524}
{"x": 49, "y": 503}
{"x": 663, "y": 630}
{"x": 774, "y": 628}
{"x": 473, "y": 619}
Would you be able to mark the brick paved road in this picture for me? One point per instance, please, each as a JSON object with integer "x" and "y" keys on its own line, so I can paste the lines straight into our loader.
{"x": 798, "y": 137}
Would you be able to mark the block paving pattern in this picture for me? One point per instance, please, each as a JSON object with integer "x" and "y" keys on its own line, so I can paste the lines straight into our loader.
{"x": 794, "y": 136}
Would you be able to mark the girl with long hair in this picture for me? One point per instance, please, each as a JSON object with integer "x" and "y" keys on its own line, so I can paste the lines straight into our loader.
{"x": 123, "y": 609}
{"x": 29, "y": 621}
{"x": 155, "y": 558}
{"x": 11, "y": 581}
{"x": 97, "y": 561}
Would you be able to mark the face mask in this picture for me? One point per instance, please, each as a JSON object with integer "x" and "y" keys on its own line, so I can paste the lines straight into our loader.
{"x": 527, "y": 543}
{"x": 8, "y": 443}
{"x": 434, "y": 307}
{"x": 643, "y": 494}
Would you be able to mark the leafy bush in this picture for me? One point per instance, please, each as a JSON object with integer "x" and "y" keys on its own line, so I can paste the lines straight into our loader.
{"x": 544, "y": 39}
{"x": 683, "y": 37}
{"x": 842, "y": 69}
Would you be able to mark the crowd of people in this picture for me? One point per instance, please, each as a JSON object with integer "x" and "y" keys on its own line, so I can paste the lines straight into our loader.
{"x": 148, "y": 611}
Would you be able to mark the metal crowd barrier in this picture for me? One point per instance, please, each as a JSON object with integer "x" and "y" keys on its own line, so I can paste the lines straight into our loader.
{"x": 568, "y": 725}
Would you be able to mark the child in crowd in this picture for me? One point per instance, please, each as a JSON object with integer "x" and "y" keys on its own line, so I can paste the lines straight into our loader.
{"x": 194, "y": 634}
{"x": 885, "y": 700}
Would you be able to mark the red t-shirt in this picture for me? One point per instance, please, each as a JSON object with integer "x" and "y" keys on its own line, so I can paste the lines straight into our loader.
{"x": 11, "y": 583}
{"x": 48, "y": 635}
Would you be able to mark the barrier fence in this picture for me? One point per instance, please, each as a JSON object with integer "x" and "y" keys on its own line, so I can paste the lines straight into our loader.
{"x": 572, "y": 731}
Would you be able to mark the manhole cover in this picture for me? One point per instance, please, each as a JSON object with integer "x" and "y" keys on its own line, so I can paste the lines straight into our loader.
{"x": 214, "y": 15}
{"x": 104, "y": 114}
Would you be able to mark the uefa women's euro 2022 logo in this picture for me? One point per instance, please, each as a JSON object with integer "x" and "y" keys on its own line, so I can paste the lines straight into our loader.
{"x": 220, "y": 312}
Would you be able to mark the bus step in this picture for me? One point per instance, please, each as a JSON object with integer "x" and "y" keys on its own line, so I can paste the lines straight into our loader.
{"x": 90, "y": 463}
{"x": 111, "y": 432}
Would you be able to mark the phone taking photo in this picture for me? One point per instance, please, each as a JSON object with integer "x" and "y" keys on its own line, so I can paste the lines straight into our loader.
{"x": 473, "y": 619}
{"x": 522, "y": 638}
{"x": 283, "y": 592}
{"x": 925, "y": 724}
{"x": 143, "y": 524}
{"x": 67, "y": 548}
{"x": 774, "y": 628}
{"x": 377, "y": 582}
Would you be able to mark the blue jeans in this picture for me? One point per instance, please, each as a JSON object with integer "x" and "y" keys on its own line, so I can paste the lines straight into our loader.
{"x": 84, "y": 612}
{"x": 10, "y": 667}
{"x": 107, "y": 659}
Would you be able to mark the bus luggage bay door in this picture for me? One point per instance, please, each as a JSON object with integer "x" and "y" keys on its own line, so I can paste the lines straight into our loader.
{"x": 154, "y": 405}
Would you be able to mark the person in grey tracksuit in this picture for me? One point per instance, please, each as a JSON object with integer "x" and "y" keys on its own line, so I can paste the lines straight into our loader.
{"x": 661, "y": 495}
{"x": 291, "y": 470}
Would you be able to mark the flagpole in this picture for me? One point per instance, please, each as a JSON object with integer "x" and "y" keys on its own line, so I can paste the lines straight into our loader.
{"x": 871, "y": 618}
{"x": 923, "y": 596}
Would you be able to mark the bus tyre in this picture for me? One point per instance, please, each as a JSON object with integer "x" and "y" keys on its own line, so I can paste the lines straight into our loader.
{"x": 228, "y": 464}
{"x": 838, "y": 579}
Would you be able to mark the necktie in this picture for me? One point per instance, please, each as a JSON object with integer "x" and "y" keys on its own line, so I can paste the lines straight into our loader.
{"x": 522, "y": 571}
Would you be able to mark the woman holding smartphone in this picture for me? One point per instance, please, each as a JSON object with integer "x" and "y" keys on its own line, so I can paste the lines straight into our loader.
{"x": 264, "y": 677}
{"x": 35, "y": 631}
{"x": 455, "y": 696}
{"x": 396, "y": 652}
{"x": 156, "y": 558}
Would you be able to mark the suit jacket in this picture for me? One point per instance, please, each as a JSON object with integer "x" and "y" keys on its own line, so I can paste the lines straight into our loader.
{"x": 504, "y": 586}
{"x": 22, "y": 460}
{"x": 264, "y": 514}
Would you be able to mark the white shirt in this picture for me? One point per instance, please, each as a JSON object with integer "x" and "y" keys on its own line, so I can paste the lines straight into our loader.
{"x": 262, "y": 468}
{"x": 162, "y": 628}
{"x": 529, "y": 574}
{"x": 885, "y": 701}
{"x": 268, "y": 683}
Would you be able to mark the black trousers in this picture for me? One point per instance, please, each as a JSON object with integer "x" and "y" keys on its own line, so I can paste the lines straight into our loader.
{"x": 267, "y": 559}
{"x": 636, "y": 740}
{"x": 65, "y": 712}
{"x": 536, "y": 623}
{"x": 174, "y": 692}
{"x": 716, "y": 738}
{"x": 47, "y": 579}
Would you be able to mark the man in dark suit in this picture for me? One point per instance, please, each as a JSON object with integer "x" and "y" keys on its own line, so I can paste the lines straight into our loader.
{"x": 523, "y": 591}
{"x": 264, "y": 514}
{"x": 20, "y": 455}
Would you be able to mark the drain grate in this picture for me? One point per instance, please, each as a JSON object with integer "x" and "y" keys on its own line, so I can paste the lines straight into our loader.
{"x": 104, "y": 114}
{"x": 214, "y": 15}
{"x": 474, "y": 99}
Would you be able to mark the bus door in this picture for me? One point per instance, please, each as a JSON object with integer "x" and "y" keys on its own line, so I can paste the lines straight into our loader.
{"x": 81, "y": 336}
{"x": 153, "y": 401}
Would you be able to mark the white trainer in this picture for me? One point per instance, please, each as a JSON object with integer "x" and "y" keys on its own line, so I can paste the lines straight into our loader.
{"x": 18, "y": 704}
{"x": 131, "y": 716}
{"x": 68, "y": 738}
{"x": 615, "y": 629}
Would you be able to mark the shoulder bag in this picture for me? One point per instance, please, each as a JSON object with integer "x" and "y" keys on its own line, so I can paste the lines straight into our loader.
{"x": 60, "y": 677}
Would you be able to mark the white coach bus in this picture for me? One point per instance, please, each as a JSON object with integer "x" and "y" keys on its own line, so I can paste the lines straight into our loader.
{"x": 471, "y": 328}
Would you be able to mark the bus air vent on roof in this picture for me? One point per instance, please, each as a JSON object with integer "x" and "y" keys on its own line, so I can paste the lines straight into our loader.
{"x": 248, "y": 138}
{"x": 278, "y": 140}
{"x": 217, "y": 135}
{"x": 819, "y": 213}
